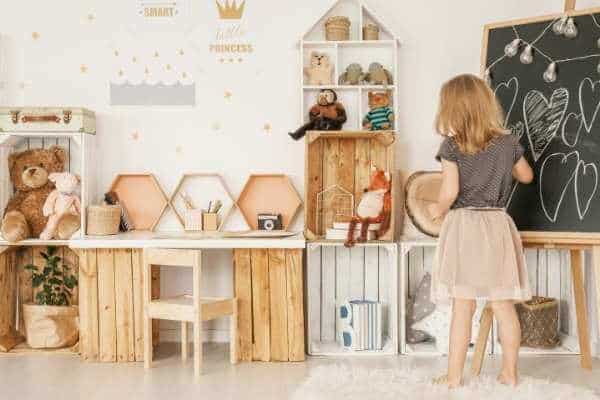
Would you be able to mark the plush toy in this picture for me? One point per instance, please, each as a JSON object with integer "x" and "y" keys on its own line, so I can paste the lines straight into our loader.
{"x": 29, "y": 171}
{"x": 353, "y": 76}
{"x": 378, "y": 75}
{"x": 375, "y": 207}
{"x": 381, "y": 115}
{"x": 62, "y": 207}
{"x": 327, "y": 115}
{"x": 320, "y": 71}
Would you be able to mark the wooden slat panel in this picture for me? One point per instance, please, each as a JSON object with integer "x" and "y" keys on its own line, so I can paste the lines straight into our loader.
{"x": 295, "y": 304}
{"x": 345, "y": 170}
{"x": 278, "y": 305}
{"x": 24, "y": 256}
{"x": 531, "y": 258}
{"x": 342, "y": 281}
{"x": 566, "y": 301}
{"x": 260, "y": 303}
{"x": 314, "y": 185}
{"x": 243, "y": 292}
{"x": 357, "y": 273}
{"x": 328, "y": 294}
{"x": 313, "y": 290}
{"x": 385, "y": 284}
{"x": 72, "y": 261}
{"x": 88, "y": 307}
{"x": 106, "y": 303}
{"x": 124, "y": 305}
{"x": 542, "y": 273}
{"x": 331, "y": 156}
{"x": 378, "y": 155}
{"x": 371, "y": 273}
{"x": 416, "y": 269}
{"x": 155, "y": 294}
{"x": 39, "y": 262}
{"x": 362, "y": 165}
{"x": 8, "y": 293}
{"x": 137, "y": 268}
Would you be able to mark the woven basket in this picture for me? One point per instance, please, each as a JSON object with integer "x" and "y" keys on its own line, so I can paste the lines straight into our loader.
{"x": 370, "y": 32}
{"x": 337, "y": 28}
{"x": 539, "y": 322}
{"x": 103, "y": 220}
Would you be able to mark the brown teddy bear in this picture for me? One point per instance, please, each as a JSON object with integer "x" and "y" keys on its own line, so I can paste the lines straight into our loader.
{"x": 29, "y": 172}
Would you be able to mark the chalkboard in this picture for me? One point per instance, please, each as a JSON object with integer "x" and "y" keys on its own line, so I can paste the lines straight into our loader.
{"x": 558, "y": 122}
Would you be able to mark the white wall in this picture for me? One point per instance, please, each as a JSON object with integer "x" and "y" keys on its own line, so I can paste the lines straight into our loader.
{"x": 439, "y": 39}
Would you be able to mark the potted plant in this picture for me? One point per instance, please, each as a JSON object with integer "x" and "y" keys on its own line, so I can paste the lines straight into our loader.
{"x": 51, "y": 321}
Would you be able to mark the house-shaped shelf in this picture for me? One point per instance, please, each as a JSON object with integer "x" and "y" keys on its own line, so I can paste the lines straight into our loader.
{"x": 143, "y": 198}
{"x": 343, "y": 53}
{"x": 269, "y": 194}
{"x": 202, "y": 188}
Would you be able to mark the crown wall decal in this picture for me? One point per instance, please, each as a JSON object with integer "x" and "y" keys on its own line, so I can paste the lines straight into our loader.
{"x": 231, "y": 10}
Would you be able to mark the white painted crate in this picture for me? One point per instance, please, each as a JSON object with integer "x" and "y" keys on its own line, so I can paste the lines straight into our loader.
{"x": 336, "y": 274}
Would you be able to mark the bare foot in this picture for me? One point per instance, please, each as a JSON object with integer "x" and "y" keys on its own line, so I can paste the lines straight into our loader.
{"x": 443, "y": 380}
{"x": 508, "y": 379}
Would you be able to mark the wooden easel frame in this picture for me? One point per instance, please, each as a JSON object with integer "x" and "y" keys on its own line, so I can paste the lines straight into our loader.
{"x": 575, "y": 242}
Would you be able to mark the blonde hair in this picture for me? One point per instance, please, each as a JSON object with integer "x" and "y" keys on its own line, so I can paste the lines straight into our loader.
{"x": 469, "y": 112}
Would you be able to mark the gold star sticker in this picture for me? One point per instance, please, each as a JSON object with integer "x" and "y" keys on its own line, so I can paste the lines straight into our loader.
{"x": 35, "y": 35}
{"x": 156, "y": 54}
{"x": 227, "y": 94}
{"x": 135, "y": 135}
{"x": 267, "y": 128}
{"x": 83, "y": 68}
{"x": 168, "y": 67}
{"x": 180, "y": 52}
{"x": 134, "y": 59}
{"x": 121, "y": 72}
{"x": 116, "y": 53}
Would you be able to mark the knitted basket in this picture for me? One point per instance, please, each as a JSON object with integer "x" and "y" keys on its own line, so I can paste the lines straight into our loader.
{"x": 103, "y": 220}
{"x": 370, "y": 32}
{"x": 337, "y": 28}
{"x": 539, "y": 322}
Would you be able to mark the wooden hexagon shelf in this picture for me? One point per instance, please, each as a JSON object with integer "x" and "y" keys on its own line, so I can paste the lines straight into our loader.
{"x": 269, "y": 194}
{"x": 143, "y": 198}
{"x": 201, "y": 189}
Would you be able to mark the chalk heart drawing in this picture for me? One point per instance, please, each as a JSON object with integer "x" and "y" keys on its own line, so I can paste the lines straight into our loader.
{"x": 589, "y": 102}
{"x": 508, "y": 91}
{"x": 543, "y": 118}
{"x": 571, "y": 129}
{"x": 577, "y": 175}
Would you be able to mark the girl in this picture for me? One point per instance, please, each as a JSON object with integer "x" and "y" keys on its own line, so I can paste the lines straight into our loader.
{"x": 479, "y": 255}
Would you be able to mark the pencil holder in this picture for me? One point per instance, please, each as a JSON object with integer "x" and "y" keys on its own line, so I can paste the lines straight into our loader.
{"x": 210, "y": 222}
{"x": 193, "y": 220}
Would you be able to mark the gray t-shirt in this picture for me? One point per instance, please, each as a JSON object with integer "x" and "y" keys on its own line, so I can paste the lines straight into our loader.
{"x": 486, "y": 177}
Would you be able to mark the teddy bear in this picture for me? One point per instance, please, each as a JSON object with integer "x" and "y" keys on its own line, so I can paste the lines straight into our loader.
{"x": 320, "y": 71}
{"x": 375, "y": 207}
{"x": 327, "y": 115}
{"x": 377, "y": 75}
{"x": 62, "y": 207}
{"x": 29, "y": 171}
{"x": 381, "y": 115}
{"x": 353, "y": 76}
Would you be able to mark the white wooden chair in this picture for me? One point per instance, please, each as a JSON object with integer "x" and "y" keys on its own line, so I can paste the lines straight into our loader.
{"x": 187, "y": 309}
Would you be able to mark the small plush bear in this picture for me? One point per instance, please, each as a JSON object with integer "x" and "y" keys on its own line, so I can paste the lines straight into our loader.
{"x": 320, "y": 71}
{"x": 378, "y": 75}
{"x": 381, "y": 115}
{"x": 353, "y": 76}
{"x": 62, "y": 207}
{"x": 327, "y": 115}
{"x": 29, "y": 171}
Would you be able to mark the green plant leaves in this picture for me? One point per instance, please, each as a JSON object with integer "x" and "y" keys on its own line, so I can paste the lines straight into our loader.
{"x": 55, "y": 279}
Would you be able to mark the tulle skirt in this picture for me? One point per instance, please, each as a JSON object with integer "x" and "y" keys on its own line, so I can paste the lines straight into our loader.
{"x": 479, "y": 256}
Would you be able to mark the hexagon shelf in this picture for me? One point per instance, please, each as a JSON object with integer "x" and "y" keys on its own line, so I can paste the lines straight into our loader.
{"x": 269, "y": 194}
{"x": 202, "y": 188}
{"x": 143, "y": 198}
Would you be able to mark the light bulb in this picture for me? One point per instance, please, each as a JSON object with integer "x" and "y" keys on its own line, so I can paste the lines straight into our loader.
{"x": 511, "y": 49}
{"x": 598, "y": 43}
{"x": 527, "y": 55}
{"x": 598, "y": 68}
{"x": 550, "y": 74}
{"x": 487, "y": 77}
{"x": 559, "y": 26}
{"x": 571, "y": 30}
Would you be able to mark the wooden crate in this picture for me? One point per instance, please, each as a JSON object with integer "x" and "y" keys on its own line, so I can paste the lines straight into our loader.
{"x": 336, "y": 274}
{"x": 111, "y": 305}
{"x": 344, "y": 159}
{"x": 268, "y": 286}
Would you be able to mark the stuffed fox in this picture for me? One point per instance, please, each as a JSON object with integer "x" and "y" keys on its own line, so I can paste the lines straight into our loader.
{"x": 375, "y": 207}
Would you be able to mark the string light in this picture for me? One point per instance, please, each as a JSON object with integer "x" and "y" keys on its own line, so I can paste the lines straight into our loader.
{"x": 559, "y": 26}
{"x": 527, "y": 55}
{"x": 550, "y": 74}
{"x": 512, "y": 48}
{"x": 571, "y": 30}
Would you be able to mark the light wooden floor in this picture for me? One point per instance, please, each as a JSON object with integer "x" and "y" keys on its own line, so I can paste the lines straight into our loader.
{"x": 65, "y": 377}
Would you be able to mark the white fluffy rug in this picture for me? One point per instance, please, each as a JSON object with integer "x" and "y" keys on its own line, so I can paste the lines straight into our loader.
{"x": 348, "y": 383}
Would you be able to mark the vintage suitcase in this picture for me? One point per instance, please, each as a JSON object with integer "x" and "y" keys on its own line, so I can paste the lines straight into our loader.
{"x": 47, "y": 120}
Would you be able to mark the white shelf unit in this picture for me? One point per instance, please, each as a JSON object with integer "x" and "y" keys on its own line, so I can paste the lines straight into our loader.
{"x": 343, "y": 53}
{"x": 549, "y": 275}
{"x": 80, "y": 150}
{"x": 336, "y": 274}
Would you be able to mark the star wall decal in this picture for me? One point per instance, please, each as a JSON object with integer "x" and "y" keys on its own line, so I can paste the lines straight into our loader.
{"x": 227, "y": 94}
{"x": 35, "y": 35}
{"x": 267, "y": 128}
{"x": 121, "y": 73}
{"x": 180, "y": 52}
{"x": 83, "y": 68}
{"x": 116, "y": 53}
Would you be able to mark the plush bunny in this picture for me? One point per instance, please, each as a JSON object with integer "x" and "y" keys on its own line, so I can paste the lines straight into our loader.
{"x": 62, "y": 207}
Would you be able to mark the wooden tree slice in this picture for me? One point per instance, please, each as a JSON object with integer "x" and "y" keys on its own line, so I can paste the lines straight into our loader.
{"x": 422, "y": 190}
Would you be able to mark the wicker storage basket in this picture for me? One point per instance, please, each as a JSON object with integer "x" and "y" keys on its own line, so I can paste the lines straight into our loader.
{"x": 370, "y": 32}
{"x": 539, "y": 322}
{"x": 103, "y": 220}
{"x": 337, "y": 28}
